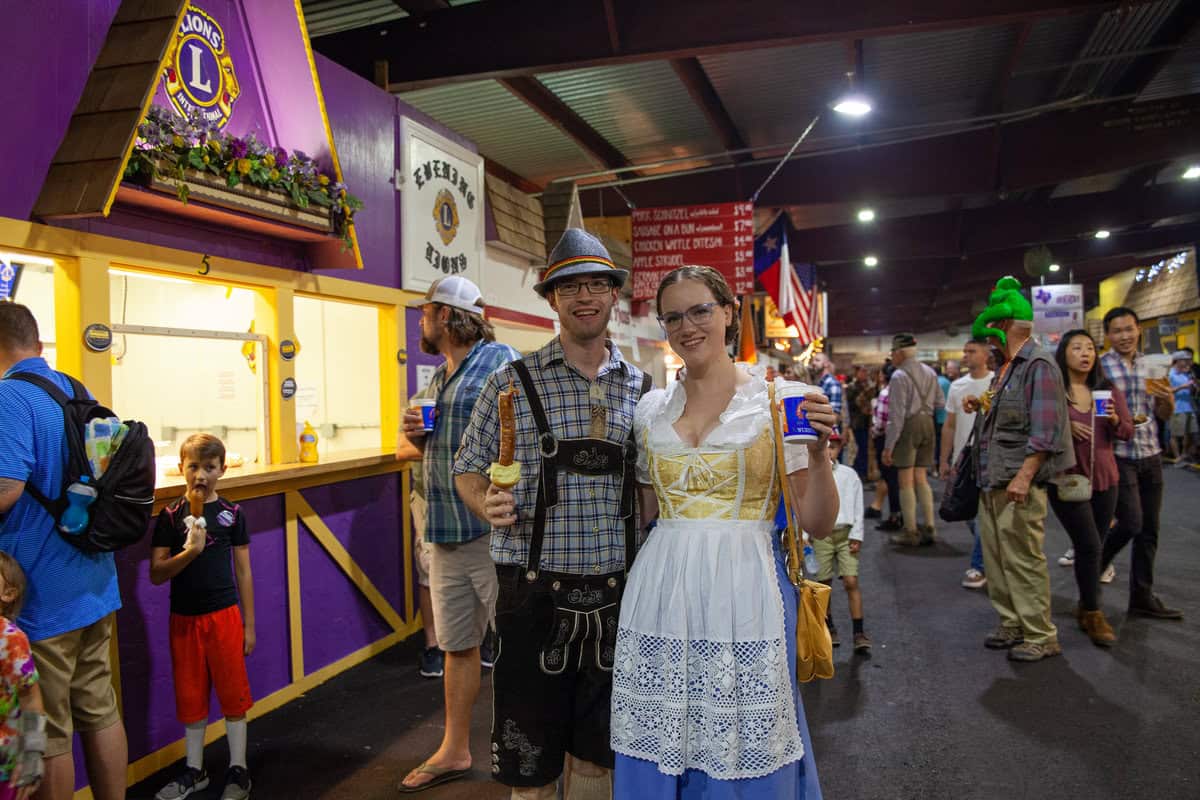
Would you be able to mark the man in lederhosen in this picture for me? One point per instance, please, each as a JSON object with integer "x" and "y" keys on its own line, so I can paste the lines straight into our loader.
{"x": 563, "y": 538}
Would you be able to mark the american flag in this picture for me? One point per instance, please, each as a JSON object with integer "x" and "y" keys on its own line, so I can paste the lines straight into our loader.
{"x": 793, "y": 288}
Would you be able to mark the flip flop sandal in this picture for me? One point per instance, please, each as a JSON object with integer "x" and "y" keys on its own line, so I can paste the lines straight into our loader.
{"x": 439, "y": 774}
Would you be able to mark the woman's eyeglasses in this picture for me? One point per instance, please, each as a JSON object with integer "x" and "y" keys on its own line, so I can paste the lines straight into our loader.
{"x": 697, "y": 315}
{"x": 594, "y": 286}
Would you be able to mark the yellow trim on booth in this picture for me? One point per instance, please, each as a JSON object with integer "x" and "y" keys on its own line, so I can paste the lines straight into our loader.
{"x": 333, "y": 155}
{"x": 295, "y": 613}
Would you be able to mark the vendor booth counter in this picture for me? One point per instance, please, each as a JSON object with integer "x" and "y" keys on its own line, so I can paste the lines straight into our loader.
{"x": 250, "y": 353}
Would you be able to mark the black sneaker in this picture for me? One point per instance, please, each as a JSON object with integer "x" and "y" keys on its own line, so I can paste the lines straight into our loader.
{"x": 237, "y": 784}
{"x": 872, "y": 513}
{"x": 487, "y": 650}
{"x": 890, "y": 524}
{"x": 433, "y": 663}
{"x": 189, "y": 783}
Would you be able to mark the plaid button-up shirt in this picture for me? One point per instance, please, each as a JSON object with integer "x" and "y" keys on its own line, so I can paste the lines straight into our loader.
{"x": 831, "y": 387}
{"x": 1043, "y": 386}
{"x": 449, "y": 520}
{"x": 1131, "y": 379}
{"x": 585, "y": 533}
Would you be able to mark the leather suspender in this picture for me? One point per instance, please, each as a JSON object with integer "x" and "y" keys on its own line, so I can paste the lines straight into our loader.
{"x": 547, "y": 494}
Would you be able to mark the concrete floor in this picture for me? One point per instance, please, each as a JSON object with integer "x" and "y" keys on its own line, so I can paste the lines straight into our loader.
{"x": 929, "y": 714}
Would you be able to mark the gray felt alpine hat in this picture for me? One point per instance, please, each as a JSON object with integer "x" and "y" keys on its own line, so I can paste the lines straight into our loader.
{"x": 578, "y": 253}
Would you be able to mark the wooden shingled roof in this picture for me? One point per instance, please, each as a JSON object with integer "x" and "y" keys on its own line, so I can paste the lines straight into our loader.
{"x": 1167, "y": 291}
{"x": 87, "y": 169}
{"x": 518, "y": 218}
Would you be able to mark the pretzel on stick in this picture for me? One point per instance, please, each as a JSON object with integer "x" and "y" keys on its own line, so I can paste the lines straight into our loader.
{"x": 506, "y": 473}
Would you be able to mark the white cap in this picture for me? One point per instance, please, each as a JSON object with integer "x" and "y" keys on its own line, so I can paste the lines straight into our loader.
{"x": 454, "y": 291}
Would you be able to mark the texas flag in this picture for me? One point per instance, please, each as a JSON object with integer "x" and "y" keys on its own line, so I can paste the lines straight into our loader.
{"x": 793, "y": 289}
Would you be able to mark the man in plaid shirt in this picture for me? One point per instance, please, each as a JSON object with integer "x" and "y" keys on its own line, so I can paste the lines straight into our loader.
{"x": 559, "y": 536}
{"x": 1023, "y": 442}
{"x": 1139, "y": 495}
{"x": 462, "y": 580}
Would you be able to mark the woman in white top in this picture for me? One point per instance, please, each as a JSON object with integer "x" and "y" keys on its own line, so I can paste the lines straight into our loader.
{"x": 704, "y": 701}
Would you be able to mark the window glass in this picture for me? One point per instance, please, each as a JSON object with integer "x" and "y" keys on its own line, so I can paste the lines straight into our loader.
{"x": 32, "y": 285}
{"x": 337, "y": 373}
{"x": 183, "y": 384}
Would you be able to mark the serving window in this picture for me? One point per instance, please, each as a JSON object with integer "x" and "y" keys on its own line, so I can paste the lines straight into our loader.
{"x": 185, "y": 360}
{"x": 337, "y": 373}
{"x": 29, "y": 280}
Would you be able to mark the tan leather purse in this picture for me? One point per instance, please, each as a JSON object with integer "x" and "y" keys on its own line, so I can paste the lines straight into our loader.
{"x": 814, "y": 647}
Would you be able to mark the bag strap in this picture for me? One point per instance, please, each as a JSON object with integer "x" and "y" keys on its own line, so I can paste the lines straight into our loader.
{"x": 789, "y": 534}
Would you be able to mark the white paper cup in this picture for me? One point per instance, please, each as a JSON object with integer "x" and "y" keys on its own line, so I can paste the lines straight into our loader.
{"x": 1102, "y": 397}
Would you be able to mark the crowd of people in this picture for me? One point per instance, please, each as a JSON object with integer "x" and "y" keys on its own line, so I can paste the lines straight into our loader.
{"x": 611, "y": 549}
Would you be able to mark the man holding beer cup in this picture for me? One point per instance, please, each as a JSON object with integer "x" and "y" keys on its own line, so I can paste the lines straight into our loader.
{"x": 1139, "y": 497}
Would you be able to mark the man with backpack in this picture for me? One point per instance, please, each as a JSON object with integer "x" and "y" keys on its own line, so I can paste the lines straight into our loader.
{"x": 72, "y": 595}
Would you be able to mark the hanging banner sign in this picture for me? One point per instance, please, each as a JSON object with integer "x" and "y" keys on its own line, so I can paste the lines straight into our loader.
{"x": 720, "y": 236}
{"x": 442, "y": 196}
{"x": 8, "y": 279}
{"x": 1057, "y": 308}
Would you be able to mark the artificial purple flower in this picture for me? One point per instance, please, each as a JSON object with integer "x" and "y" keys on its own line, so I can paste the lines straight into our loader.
{"x": 237, "y": 148}
{"x": 281, "y": 157}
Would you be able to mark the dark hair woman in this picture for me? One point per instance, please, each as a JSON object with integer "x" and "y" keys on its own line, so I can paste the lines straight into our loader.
{"x": 1092, "y": 434}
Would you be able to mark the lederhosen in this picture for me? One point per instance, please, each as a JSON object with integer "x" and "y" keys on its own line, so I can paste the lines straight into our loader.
{"x": 571, "y": 620}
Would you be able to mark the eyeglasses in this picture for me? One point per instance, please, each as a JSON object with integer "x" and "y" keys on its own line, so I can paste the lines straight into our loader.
{"x": 594, "y": 286}
{"x": 697, "y": 315}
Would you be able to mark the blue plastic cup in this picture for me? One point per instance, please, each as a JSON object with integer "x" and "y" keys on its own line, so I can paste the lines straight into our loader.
{"x": 1102, "y": 398}
{"x": 796, "y": 428}
{"x": 428, "y": 409}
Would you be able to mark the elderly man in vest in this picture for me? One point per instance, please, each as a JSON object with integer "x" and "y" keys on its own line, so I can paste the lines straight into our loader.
{"x": 909, "y": 442}
{"x": 1023, "y": 442}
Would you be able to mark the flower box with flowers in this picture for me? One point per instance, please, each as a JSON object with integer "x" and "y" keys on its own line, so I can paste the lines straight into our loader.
{"x": 189, "y": 159}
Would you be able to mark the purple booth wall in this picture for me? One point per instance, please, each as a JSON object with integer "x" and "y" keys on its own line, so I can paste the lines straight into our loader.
{"x": 363, "y": 514}
{"x": 49, "y": 48}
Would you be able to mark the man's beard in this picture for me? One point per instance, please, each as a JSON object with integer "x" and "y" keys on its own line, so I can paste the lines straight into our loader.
{"x": 429, "y": 347}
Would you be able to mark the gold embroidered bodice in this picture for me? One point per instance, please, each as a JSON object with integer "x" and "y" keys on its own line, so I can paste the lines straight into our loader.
{"x": 717, "y": 483}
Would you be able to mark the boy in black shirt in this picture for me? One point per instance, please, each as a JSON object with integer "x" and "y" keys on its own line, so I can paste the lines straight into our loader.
{"x": 209, "y": 638}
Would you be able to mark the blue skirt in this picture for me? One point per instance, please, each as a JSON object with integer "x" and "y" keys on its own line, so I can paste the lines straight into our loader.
{"x": 638, "y": 778}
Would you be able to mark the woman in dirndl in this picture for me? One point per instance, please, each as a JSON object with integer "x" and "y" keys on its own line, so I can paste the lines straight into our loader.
{"x": 705, "y": 702}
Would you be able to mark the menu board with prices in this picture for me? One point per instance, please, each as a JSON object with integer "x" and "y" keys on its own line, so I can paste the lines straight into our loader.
{"x": 720, "y": 235}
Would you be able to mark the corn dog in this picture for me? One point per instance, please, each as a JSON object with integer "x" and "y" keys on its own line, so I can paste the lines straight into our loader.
{"x": 196, "y": 502}
{"x": 506, "y": 473}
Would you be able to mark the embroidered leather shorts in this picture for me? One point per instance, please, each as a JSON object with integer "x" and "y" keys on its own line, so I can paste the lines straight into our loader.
{"x": 552, "y": 683}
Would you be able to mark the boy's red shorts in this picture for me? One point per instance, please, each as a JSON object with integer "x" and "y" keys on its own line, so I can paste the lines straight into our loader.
{"x": 206, "y": 652}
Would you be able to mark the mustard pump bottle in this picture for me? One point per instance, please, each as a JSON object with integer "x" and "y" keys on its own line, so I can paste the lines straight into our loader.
{"x": 308, "y": 444}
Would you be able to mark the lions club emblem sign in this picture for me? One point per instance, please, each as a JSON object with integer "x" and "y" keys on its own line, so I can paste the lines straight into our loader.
{"x": 200, "y": 78}
{"x": 443, "y": 208}
{"x": 445, "y": 214}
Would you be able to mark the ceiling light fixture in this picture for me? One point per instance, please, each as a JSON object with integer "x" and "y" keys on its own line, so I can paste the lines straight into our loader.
{"x": 866, "y": 215}
{"x": 871, "y": 261}
{"x": 853, "y": 105}
{"x": 1192, "y": 172}
{"x": 1103, "y": 234}
{"x": 1055, "y": 267}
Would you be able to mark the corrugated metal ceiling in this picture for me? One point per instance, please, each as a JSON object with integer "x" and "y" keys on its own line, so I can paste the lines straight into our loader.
{"x": 642, "y": 109}
{"x": 1182, "y": 74}
{"x": 331, "y": 16}
{"x": 936, "y": 76}
{"x": 772, "y": 94}
{"x": 504, "y": 128}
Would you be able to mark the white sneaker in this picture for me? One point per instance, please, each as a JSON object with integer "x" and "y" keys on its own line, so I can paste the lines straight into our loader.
{"x": 1067, "y": 559}
{"x": 974, "y": 579}
{"x": 1109, "y": 575}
